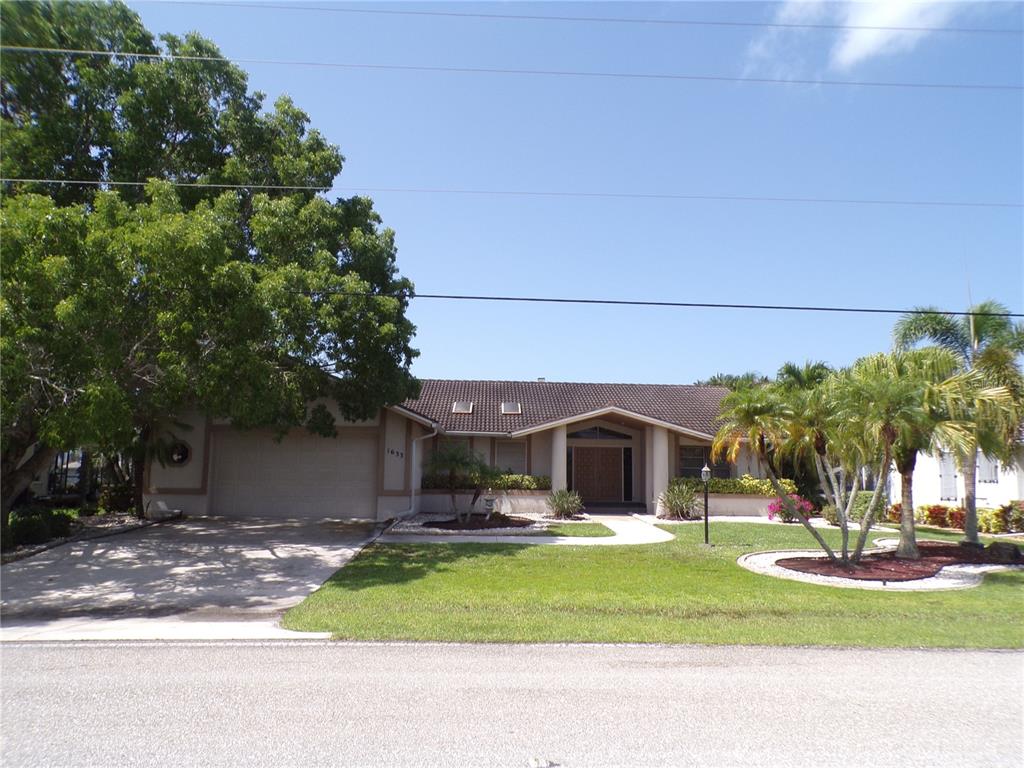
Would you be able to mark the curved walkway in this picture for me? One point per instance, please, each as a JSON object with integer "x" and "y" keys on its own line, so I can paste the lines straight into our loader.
{"x": 627, "y": 530}
{"x": 950, "y": 577}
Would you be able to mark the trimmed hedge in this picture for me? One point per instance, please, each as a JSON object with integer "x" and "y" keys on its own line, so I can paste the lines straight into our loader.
{"x": 748, "y": 485}
{"x": 501, "y": 483}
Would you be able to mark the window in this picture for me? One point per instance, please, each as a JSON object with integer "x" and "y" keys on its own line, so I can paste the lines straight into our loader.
{"x": 462, "y": 406}
{"x": 692, "y": 459}
{"x": 510, "y": 456}
{"x": 988, "y": 469}
{"x": 511, "y": 409}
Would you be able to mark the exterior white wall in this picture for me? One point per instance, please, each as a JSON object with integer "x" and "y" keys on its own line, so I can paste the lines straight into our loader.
{"x": 659, "y": 465}
{"x": 737, "y": 504}
{"x": 394, "y": 453}
{"x": 927, "y": 484}
{"x": 558, "y": 448}
{"x": 191, "y": 475}
{"x": 540, "y": 453}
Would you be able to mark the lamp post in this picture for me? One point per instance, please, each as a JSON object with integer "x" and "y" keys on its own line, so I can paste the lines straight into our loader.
{"x": 705, "y": 475}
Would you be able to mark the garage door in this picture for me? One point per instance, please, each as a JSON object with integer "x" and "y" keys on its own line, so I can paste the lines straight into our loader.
{"x": 302, "y": 476}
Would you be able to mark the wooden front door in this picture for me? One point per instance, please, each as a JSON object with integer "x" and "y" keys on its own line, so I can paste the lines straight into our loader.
{"x": 597, "y": 473}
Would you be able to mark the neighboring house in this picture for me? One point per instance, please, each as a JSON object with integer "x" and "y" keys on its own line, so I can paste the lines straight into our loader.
{"x": 616, "y": 444}
{"x": 937, "y": 480}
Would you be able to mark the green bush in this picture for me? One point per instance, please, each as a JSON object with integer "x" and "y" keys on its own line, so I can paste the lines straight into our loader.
{"x": 499, "y": 483}
{"x": 861, "y": 503}
{"x": 1014, "y": 512}
{"x": 746, "y": 484}
{"x": 38, "y": 525}
{"x": 994, "y": 520}
{"x": 678, "y": 502}
{"x": 117, "y": 497}
{"x": 565, "y": 504}
{"x": 829, "y": 513}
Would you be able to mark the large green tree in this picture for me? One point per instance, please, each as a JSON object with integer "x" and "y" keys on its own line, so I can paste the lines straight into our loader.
{"x": 122, "y": 307}
{"x": 985, "y": 341}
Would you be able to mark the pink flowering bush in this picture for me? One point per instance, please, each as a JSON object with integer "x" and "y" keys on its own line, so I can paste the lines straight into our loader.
{"x": 777, "y": 508}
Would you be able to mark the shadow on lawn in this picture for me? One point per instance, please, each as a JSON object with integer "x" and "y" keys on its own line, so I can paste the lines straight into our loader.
{"x": 391, "y": 564}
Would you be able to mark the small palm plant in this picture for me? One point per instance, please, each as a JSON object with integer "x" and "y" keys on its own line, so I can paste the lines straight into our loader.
{"x": 678, "y": 502}
{"x": 565, "y": 504}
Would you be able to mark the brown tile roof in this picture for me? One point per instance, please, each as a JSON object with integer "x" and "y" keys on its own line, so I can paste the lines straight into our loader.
{"x": 691, "y": 407}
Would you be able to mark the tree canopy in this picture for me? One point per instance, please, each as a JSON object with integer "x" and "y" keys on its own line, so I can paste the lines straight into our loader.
{"x": 123, "y": 306}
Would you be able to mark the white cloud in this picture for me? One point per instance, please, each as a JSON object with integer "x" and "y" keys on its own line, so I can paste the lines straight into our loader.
{"x": 857, "y": 45}
{"x": 781, "y": 52}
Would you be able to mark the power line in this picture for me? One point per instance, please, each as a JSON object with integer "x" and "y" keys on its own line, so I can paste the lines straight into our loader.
{"x": 535, "y": 193}
{"x": 596, "y": 19}
{"x": 677, "y": 304}
{"x": 511, "y": 71}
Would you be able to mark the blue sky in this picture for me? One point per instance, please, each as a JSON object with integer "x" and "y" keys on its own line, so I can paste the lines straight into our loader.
{"x": 505, "y": 132}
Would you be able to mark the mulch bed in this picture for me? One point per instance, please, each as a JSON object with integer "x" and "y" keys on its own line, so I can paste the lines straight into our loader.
{"x": 480, "y": 523}
{"x": 885, "y": 566}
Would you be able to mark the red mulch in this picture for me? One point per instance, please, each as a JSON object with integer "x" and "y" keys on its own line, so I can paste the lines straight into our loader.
{"x": 885, "y": 566}
{"x": 480, "y": 523}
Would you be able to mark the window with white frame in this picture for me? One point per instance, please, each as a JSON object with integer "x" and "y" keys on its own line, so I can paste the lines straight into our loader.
{"x": 988, "y": 469}
{"x": 510, "y": 456}
{"x": 947, "y": 478}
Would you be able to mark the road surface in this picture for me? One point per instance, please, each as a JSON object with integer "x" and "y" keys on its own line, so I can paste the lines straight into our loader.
{"x": 363, "y": 704}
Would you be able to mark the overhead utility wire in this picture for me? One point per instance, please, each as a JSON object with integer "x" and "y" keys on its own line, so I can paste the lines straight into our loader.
{"x": 680, "y": 304}
{"x": 531, "y": 193}
{"x": 596, "y": 19}
{"x": 510, "y": 71}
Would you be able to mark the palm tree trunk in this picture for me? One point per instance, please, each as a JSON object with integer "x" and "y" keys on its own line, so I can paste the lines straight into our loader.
{"x": 869, "y": 516}
{"x": 969, "y": 469}
{"x": 797, "y": 513}
{"x": 907, "y": 548}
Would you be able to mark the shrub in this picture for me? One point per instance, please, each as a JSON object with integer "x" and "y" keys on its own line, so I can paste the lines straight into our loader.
{"x": 778, "y": 508}
{"x": 956, "y": 518}
{"x": 861, "y": 503}
{"x": 565, "y": 504}
{"x": 746, "y": 484}
{"x": 994, "y": 520}
{"x": 830, "y": 514}
{"x": 37, "y": 525}
{"x": 679, "y": 501}
{"x": 117, "y": 497}
{"x": 1014, "y": 512}
{"x": 499, "y": 483}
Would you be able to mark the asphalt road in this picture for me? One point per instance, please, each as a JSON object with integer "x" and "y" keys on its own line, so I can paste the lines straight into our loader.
{"x": 342, "y": 704}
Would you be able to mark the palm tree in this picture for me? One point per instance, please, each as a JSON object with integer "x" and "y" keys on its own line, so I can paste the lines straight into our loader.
{"x": 984, "y": 340}
{"x": 758, "y": 417}
{"x": 807, "y": 376}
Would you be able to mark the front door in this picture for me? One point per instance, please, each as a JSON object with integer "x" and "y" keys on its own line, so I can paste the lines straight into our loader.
{"x": 597, "y": 473}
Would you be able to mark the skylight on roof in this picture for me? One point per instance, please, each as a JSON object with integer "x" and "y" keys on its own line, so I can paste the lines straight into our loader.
{"x": 462, "y": 406}
{"x": 511, "y": 408}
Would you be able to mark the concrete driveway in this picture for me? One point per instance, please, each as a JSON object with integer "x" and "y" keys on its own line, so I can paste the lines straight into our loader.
{"x": 167, "y": 580}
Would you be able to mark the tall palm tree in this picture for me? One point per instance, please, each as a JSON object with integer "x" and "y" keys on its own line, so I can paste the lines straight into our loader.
{"x": 987, "y": 341}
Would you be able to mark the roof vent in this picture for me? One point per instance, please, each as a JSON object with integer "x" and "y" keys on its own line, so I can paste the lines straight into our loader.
{"x": 511, "y": 408}
{"x": 462, "y": 406}
{"x": 541, "y": 378}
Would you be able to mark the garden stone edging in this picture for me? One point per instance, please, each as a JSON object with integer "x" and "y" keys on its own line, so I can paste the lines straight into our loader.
{"x": 950, "y": 577}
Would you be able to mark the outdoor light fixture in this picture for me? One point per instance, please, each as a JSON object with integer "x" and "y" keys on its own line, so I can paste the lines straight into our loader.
{"x": 705, "y": 475}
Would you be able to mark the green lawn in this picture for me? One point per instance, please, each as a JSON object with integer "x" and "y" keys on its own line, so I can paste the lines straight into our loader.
{"x": 676, "y": 592}
{"x": 575, "y": 529}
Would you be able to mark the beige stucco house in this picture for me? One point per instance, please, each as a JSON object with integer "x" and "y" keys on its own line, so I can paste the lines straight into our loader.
{"x": 616, "y": 444}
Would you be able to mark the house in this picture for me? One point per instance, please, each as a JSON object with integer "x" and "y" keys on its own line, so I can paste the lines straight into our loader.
{"x": 616, "y": 444}
{"x": 937, "y": 480}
